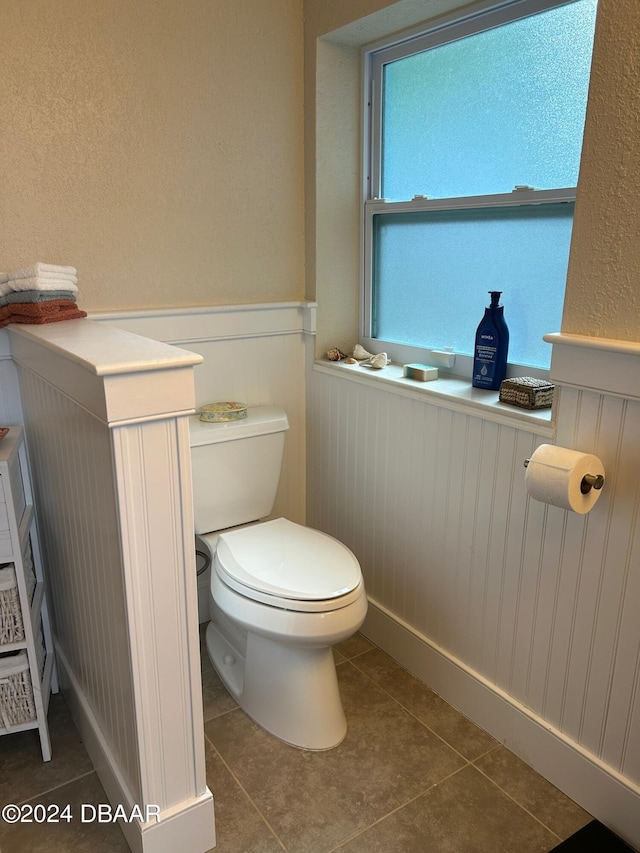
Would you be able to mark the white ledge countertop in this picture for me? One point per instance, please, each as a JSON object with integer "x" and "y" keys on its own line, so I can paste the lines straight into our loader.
{"x": 105, "y": 350}
{"x": 119, "y": 377}
{"x": 447, "y": 391}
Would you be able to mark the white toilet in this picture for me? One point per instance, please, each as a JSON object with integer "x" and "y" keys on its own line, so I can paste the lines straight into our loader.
{"x": 281, "y": 594}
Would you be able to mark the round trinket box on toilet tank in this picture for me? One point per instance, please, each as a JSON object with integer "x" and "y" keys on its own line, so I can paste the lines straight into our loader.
{"x": 219, "y": 412}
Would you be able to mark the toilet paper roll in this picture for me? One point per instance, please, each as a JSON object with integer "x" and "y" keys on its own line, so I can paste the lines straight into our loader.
{"x": 554, "y": 476}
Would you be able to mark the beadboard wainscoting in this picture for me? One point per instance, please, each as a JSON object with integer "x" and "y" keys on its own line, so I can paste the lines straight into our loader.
{"x": 106, "y": 419}
{"x": 523, "y": 615}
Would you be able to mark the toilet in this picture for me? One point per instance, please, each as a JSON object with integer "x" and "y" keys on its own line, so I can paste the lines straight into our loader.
{"x": 281, "y": 594}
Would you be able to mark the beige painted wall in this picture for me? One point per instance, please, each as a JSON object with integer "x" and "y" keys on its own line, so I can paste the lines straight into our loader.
{"x": 603, "y": 287}
{"x": 156, "y": 145}
{"x": 603, "y": 284}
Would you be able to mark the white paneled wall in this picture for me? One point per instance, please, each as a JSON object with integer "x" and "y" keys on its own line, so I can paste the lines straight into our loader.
{"x": 432, "y": 502}
{"x": 594, "y": 692}
{"x": 536, "y": 604}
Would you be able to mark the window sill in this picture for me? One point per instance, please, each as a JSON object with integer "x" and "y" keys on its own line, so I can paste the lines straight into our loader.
{"x": 447, "y": 392}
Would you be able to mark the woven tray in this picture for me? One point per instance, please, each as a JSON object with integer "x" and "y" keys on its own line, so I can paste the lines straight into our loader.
{"x": 526, "y": 392}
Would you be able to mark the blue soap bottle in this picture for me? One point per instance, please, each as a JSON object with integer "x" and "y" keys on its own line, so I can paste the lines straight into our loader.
{"x": 492, "y": 346}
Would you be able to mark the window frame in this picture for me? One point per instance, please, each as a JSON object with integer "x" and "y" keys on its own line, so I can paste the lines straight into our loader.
{"x": 447, "y": 28}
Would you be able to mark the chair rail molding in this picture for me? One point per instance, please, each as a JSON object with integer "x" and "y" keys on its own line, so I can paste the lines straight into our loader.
{"x": 599, "y": 364}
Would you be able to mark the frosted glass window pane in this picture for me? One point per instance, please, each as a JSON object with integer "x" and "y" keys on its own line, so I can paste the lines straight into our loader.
{"x": 438, "y": 266}
{"x": 484, "y": 113}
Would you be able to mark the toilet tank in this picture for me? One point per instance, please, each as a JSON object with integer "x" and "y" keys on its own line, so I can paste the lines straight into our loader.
{"x": 236, "y": 467}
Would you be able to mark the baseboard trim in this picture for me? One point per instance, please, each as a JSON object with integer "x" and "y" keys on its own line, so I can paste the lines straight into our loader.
{"x": 187, "y": 827}
{"x": 605, "y": 794}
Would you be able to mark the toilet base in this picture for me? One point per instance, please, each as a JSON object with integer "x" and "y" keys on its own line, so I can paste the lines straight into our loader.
{"x": 290, "y": 691}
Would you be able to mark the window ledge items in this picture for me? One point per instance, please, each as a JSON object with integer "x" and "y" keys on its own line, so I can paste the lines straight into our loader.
{"x": 526, "y": 392}
{"x": 449, "y": 392}
{"x": 361, "y": 356}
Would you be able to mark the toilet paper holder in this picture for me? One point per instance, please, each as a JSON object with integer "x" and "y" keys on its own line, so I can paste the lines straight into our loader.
{"x": 589, "y": 481}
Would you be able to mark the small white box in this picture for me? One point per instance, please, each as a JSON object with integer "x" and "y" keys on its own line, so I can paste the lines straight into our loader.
{"x": 420, "y": 372}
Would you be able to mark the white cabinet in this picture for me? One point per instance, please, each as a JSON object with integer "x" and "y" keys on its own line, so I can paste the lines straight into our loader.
{"x": 27, "y": 669}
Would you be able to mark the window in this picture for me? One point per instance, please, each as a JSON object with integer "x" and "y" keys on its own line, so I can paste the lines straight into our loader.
{"x": 475, "y": 133}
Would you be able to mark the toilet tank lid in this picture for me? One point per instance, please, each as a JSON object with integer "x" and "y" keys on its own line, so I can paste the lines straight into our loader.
{"x": 260, "y": 420}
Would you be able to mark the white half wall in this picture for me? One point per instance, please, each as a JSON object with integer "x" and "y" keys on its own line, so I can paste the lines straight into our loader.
{"x": 106, "y": 421}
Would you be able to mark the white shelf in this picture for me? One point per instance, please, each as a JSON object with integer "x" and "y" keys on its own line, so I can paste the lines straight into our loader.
{"x": 21, "y": 548}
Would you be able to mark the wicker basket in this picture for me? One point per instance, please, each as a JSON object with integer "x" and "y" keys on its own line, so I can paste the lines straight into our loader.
{"x": 11, "y": 624}
{"x": 526, "y": 392}
{"x": 16, "y": 692}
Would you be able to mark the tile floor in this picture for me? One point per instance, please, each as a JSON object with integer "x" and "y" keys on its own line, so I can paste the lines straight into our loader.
{"x": 412, "y": 775}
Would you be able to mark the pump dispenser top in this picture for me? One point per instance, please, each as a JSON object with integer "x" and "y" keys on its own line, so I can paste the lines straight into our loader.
{"x": 491, "y": 346}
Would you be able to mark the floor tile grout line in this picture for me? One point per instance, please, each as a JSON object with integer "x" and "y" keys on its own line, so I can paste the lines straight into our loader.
{"x": 56, "y": 787}
{"x": 222, "y": 714}
{"x": 244, "y": 791}
{"x": 468, "y": 761}
{"x": 397, "y": 809}
{"x": 357, "y": 655}
{"x": 417, "y": 719}
{"x": 486, "y": 752}
{"x": 513, "y": 799}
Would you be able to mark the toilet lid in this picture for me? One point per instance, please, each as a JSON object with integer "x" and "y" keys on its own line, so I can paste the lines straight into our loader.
{"x": 287, "y": 560}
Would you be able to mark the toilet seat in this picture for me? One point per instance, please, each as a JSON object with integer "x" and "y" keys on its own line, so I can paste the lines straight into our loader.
{"x": 288, "y": 566}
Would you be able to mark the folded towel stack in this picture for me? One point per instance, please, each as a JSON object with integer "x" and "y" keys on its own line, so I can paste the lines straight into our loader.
{"x": 42, "y": 293}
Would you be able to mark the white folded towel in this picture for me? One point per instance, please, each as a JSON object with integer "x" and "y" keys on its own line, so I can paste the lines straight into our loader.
{"x": 45, "y": 271}
{"x": 15, "y": 285}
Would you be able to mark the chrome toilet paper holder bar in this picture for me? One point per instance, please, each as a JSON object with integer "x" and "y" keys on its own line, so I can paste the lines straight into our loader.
{"x": 589, "y": 481}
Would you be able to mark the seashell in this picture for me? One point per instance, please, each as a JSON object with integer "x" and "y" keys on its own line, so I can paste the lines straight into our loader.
{"x": 350, "y": 360}
{"x": 360, "y": 353}
{"x": 335, "y": 354}
{"x": 379, "y": 361}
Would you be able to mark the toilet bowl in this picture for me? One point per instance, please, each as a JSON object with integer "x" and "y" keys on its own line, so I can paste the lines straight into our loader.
{"x": 281, "y": 596}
